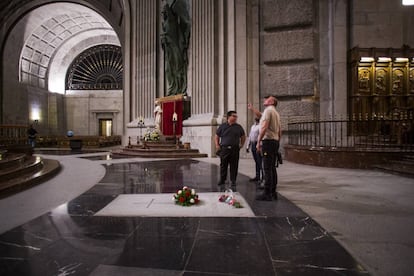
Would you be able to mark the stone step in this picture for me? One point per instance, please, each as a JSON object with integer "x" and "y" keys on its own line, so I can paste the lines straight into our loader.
{"x": 10, "y": 160}
{"x": 403, "y": 166}
{"x": 169, "y": 148}
{"x": 161, "y": 149}
{"x": 156, "y": 146}
{"x": 158, "y": 154}
{"x": 27, "y": 165}
{"x": 48, "y": 169}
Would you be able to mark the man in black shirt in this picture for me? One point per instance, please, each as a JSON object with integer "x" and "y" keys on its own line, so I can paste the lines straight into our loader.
{"x": 31, "y": 135}
{"x": 229, "y": 139}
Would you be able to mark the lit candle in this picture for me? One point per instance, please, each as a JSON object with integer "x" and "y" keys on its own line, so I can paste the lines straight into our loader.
{"x": 175, "y": 117}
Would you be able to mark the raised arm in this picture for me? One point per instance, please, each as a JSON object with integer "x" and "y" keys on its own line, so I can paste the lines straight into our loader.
{"x": 254, "y": 110}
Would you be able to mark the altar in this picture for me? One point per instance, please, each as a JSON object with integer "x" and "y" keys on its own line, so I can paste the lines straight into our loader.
{"x": 175, "y": 109}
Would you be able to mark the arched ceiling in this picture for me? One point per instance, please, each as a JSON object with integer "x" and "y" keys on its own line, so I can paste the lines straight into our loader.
{"x": 47, "y": 33}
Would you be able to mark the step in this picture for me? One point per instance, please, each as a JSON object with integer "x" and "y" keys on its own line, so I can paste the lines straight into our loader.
{"x": 407, "y": 172}
{"x": 48, "y": 169}
{"x": 29, "y": 165}
{"x": 155, "y": 150}
{"x": 402, "y": 166}
{"x": 12, "y": 160}
{"x": 159, "y": 154}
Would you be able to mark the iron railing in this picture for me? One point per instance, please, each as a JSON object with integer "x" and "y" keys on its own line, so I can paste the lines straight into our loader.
{"x": 369, "y": 134}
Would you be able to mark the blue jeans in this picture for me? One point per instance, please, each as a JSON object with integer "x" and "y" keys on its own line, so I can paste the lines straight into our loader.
{"x": 257, "y": 160}
{"x": 32, "y": 142}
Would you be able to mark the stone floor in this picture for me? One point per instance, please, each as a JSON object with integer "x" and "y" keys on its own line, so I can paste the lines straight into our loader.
{"x": 51, "y": 229}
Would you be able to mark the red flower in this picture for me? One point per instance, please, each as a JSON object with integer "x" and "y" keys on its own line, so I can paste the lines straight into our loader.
{"x": 181, "y": 199}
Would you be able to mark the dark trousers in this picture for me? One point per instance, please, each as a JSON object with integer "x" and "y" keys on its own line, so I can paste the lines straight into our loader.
{"x": 229, "y": 156}
{"x": 257, "y": 160}
{"x": 269, "y": 155}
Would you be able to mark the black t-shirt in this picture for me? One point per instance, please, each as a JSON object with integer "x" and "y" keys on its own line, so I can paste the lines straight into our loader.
{"x": 230, "y": 134}
{"x": 32, "y": 133}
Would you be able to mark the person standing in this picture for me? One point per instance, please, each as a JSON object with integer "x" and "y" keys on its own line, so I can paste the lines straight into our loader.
{"x": 229, "y": 139}
{"x": 251, "y": 145}
{"x": 31, "y": 134}
{"x": 268, "y": 145}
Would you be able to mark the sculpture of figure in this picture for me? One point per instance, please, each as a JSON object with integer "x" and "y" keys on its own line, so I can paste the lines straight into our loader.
{"x": 175, "y": 38}
{"x": 158, "y": 115}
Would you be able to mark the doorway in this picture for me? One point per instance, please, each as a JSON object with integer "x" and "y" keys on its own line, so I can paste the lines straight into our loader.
{"x": 105, "y": 127}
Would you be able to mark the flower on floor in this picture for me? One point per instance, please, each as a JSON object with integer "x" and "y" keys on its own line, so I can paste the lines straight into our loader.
{"x": 230, "y": 199}
{"x": 186, "y": 197}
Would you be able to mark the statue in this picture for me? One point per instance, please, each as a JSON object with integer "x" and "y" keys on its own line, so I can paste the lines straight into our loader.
{"x": 175, "y": 37}
{"x": 158, "y": 115}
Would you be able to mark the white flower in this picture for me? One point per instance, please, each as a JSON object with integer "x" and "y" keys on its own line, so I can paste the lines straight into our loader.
{"x": 179, "y": 192}
{"x": 185, "y": 188}
{"x": 192, "y": 201}
{"x": 192, "y": 191}
{"x": 173, "y": 198}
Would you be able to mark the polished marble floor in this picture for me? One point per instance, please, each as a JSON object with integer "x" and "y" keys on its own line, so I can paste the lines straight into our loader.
{"x": 70, "y": 240}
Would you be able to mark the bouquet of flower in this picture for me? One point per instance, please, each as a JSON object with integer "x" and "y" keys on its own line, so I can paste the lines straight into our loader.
{"x": 186, "y": 197}
{"x": 152, "y": 135}
{"x": 230, "y": 199}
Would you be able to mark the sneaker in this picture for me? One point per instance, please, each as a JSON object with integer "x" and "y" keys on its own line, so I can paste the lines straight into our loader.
{"x": 264, "y": 197}
{"x": 222, "y": 188}
{"x": 233, "y": 187}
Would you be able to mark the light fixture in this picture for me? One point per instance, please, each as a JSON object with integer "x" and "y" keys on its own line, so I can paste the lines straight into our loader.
{"x": 35, "y": 113}
{"x": 384, "y": 59}
{"x": 401, "y": 59}
{"x": 408, "y": 2}
{"x": 367, "y": 59}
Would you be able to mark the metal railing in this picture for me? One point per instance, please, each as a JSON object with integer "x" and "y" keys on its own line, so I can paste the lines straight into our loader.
{"x": 13, "y": 135}
{"x": 369, "y": 134}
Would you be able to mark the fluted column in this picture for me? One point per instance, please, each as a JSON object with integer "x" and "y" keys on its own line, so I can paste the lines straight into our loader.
{"x": 202, "y": 58}
{"x": 144, "y": 66}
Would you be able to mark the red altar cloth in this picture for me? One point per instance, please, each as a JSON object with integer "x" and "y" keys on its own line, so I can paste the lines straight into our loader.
{"x": 169, "y": 106}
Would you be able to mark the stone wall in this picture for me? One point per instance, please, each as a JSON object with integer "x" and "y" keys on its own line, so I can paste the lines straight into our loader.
{"x": 84, "y": 109}
{"x": 287, "y": 61}
{"x": 382, "y": 24}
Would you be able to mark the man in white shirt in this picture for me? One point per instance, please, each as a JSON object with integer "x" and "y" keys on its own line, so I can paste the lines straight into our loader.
{"x": 268, "y": 145}
{"x": 251, "y": 145}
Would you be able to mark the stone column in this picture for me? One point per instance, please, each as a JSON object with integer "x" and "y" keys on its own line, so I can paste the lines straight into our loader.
{"x": 141, "y": 50}
{"x": 144, "y": 33}
{"x": 333, "y": 58}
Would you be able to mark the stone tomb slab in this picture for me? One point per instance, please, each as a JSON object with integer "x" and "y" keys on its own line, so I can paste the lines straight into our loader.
{"x": 162, "y": 205}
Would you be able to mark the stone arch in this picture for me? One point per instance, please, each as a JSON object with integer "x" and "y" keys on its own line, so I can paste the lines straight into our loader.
{"x": 40, "y": 40}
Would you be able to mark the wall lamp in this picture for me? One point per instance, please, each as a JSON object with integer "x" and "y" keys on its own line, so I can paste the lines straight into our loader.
{"x": 367, "y": 59}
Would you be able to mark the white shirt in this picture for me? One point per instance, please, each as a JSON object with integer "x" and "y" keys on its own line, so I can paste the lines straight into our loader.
{"x": 270, "y": 114}
{"x": 254, "y": 134}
